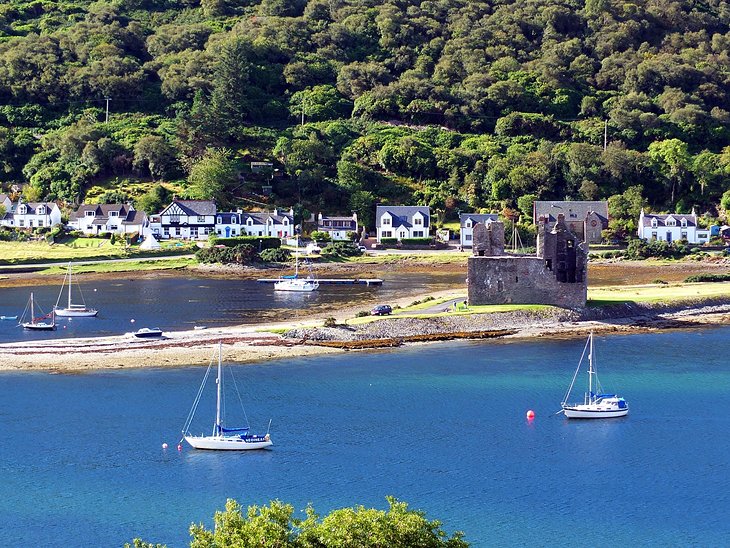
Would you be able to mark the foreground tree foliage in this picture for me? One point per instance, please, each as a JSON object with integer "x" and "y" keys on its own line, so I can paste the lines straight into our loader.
{"x": 461, "y": 105}
{"x": 274, "y": 526}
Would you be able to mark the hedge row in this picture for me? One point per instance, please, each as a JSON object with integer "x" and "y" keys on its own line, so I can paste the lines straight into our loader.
{"x": 266, "y": 242}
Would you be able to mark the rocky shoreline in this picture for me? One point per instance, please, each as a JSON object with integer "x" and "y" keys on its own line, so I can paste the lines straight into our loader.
{"x": 245, "y": 344}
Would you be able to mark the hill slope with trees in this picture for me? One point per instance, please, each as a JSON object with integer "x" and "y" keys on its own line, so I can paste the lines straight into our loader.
{"x": 457, "y": 104}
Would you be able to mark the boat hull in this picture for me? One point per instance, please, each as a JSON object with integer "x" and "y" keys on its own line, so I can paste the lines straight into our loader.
{"x": 302, "y": 287}
{"x": 71, "y": 313}
{"x": 580, "y": 412}
{"x": 228, "y": 443}
{"x": 39, "y": 326}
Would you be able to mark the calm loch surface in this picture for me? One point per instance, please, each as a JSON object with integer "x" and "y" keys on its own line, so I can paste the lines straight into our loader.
{"x": 440, "y": 426}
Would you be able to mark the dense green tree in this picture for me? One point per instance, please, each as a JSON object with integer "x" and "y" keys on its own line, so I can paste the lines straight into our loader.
{"x": 212, "y": 175}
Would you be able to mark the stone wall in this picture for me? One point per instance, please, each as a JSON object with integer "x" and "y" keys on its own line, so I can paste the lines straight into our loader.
{"x": 520, "y": 280}
{"x": 556, "y": 275}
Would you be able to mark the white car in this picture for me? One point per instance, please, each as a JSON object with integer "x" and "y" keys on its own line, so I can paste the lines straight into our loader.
{"x": 313, "y": 248}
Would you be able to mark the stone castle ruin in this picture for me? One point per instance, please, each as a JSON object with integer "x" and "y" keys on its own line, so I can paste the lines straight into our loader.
{"x": 555, "y": 275}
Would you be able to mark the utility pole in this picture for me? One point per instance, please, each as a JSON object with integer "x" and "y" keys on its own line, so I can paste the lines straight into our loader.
{"x": 106, "y": 121}
{"x": 605, "y": 134}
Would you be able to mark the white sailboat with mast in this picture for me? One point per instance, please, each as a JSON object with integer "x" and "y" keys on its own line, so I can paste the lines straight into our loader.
{"x": 295, "y": 283}
{"x": 72, "y": 310}
{"x": 45, "y": 322}
{"x": 223, "y": 438}
{"x": 596, "y": 404}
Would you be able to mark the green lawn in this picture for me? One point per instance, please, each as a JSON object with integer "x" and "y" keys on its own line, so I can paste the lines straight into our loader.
{"x": 657, "y": 293}
{"x": 73, "y": 249}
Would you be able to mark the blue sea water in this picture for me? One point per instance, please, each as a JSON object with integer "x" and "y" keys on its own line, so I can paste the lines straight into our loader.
{"x": 440, "y": 426}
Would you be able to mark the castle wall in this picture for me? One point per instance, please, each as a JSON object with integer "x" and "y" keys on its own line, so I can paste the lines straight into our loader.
{"x": 520, "y": 280}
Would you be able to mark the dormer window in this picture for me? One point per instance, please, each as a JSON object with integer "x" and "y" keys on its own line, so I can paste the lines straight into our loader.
{"x": 219, "y": 220}
{"x": 684, "y": 222}
{"x": 418, "y": 221}
{"x": 41, "y": 210}
{"x": 671, "y": 221}
{"x": 249, "y": 221}
{"x": 88, "y": 213}
{"x": 201, "y": 218}
{"x": 113, "y": 214}
{"x": 467, "y": 224}
{"x": 286, "y": 221}
{"x": 654, "y": 223}
{"x": 386, "y": 221}
{"x": 22, "y": 210}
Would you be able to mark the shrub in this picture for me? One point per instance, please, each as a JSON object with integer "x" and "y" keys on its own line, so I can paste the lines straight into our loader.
{"x": 272, "y": 255}
{"x": 341, "y": 249}
{"x": 320, "y": 236}
{"x": 708, "y": 278}
{"x": 330, "y": 322}
{"x": 241, "y": 254}
{"x": 264, "y": 242}
{"x": 362, "y": 314}
{"x": 659, "y": 282}
{"x": 388, "y": 241}
{"x": 416, "y": 241}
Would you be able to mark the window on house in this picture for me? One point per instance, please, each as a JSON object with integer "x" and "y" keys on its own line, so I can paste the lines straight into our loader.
{"x": 418, "y": 233}
{"x": 21, "y": 222}
{"x": 219, "y": 220}
{"x": 684, "y": 235}
{"x": 467, "y": 237}
{"x": 218, "y": 231}
{"x": 201, "y": 218}
{"x": 22, "y": 210}
{"x": 387, "y": 234}
{"x": 174, "y": 218}
{"x": 88, "y": 213}
{"x": 113, "y": 227}
{"x": 653, "y": 235}
{"x": 417, "y": 221}
{"x": 386, "y": 221}
{"x": 653, "y": 223}
{"x": 113, "y": 214}
{"x": 40, "y": 222}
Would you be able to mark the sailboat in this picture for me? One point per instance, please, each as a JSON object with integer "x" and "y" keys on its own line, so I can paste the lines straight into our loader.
{"x": 72, "y": 310}
{"x": 294, "y": 282}
{"x": 46, "y": 322}
{"x": 223, "y": 438}
{"x": 596, "y": 404}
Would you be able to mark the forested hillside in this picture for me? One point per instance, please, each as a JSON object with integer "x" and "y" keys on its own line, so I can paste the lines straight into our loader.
{"x": 457, "y": 104}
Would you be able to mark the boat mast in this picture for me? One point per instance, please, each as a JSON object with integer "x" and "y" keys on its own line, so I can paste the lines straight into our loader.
{"x": 218, "y": 399}
{"x": 69, "y": 285}
{"x": 296, "y": 260}
{"x": 590, "y": 369}
{"x": 32, "y": 311}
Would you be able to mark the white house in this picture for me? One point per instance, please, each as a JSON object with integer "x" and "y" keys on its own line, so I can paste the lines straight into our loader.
{"x": 185, "y": 219}
{"x": 6, "y": 202}
{"x": 111, "y": 218}
{"x": 32, "y": 215}
{"x": 278, "y": 224}
{"x": 672, "y": 228}
{"x": 467, "y": 222}
{"x": 401, "y": 222}
{"x": 337, "y": 227}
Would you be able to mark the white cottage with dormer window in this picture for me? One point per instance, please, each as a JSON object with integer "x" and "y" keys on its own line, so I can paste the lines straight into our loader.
{"x": 109, "y": 218}
{"x": 32, "y": 215}
{"x": 672, "y": 228}
{"x": 279, "y": 224}
{"x": 402, "y": 222}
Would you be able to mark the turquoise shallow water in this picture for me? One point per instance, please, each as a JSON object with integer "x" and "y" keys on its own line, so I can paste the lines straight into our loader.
{"x": 440, "y": 426}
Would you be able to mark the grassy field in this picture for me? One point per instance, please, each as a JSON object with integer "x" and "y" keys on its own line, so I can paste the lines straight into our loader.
{"x": 127, "y": 266}
{"x": 74, "y": 249}
{"x": 604, "y": 296}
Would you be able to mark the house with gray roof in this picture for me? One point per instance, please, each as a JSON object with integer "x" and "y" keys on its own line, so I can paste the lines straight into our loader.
{"x": 32, "y": 215}
{"x": 585, "y": 219}
{"x": 95, "y": 219}
{"x": 402, "y": 222}
{"x": 467, "y": 222}
{"x": 279, "y": 223}
{"x": 672, "y": 227}
{"x": 338, "y": 228}
{"x": 185, "y": 219}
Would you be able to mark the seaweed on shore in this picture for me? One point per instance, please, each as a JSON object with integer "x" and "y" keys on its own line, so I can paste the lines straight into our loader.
{"x": 397, "y": 341}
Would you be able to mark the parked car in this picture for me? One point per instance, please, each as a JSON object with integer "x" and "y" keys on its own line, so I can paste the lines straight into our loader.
{"x": 313, "y": 248}
{"x": 381, "y": 310}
